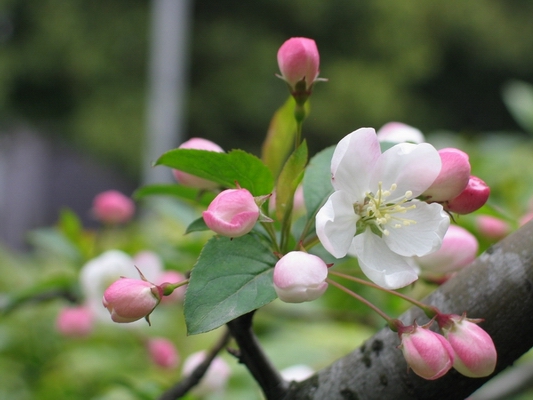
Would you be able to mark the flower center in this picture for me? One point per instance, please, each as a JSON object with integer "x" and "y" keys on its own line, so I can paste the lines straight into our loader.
{"x": 379, "y": 214}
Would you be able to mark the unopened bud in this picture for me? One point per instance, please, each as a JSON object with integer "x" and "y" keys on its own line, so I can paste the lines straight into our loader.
{"x": 473, "y": 197}
{"x": 163, "y": 352}
{"x": 232, "y": 213}
{"x": 453, "y": 177}
{"x": 112, "y": 207}
{"x": 459, "y": 248}
{"x": 129, "y": 300}
{"x": 298, "y": 60}
{"x": 475, "y": 353}
{"x": 427, "y": 353}
{"x": 299, "y": 277}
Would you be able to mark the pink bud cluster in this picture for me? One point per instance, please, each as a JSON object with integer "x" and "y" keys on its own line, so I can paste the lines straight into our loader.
{"x": 465, "y": 346}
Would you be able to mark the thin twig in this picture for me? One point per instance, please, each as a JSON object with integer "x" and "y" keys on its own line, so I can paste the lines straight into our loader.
{"x": 186, "y": 384}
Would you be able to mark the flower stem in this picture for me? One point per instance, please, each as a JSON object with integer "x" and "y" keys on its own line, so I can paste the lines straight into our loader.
{"x": 269, "y": 228}
{"x": 430, "y": 311}
{"x": 392, "y": 322}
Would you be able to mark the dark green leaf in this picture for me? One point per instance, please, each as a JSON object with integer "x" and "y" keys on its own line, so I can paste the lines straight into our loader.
{"x": 231, "y": 278}
{"x": 227, "y": 169}
{"x": 317, "y": 181}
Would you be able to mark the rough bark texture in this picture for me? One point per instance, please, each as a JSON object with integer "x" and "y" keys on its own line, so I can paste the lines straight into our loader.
{"x": 498, "y": 287}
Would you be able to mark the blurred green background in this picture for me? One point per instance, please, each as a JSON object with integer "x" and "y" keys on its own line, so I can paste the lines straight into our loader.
{"x": 77, "y": 70}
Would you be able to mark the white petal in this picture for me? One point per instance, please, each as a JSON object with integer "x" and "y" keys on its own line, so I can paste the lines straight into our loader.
{"x": 420, "y": 238}
{"x": 410, "y": 166}
{"x": 335, "y": 223}
{"x": 380, "y": 264}
{"x": 353, "y": 160}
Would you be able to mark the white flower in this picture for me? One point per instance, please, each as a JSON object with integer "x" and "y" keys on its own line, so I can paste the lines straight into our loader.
{"x": 373, "y": 213}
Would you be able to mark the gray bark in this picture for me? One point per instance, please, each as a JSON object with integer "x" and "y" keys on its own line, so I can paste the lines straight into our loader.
{"x": 498, "y": 287}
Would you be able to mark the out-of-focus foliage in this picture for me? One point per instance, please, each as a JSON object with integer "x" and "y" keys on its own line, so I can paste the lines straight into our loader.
{"x": 78, "y": 69}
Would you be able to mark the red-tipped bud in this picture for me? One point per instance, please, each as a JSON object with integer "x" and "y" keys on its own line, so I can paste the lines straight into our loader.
{"x": 472, "y": 198}
{"x": 299, "y": 277}
{"x": 475, "y": 353}
{"x": 298, "y": 60}
{"x": 453, "y": 177}
{"x": 232, "y": 213}
{"x": 191, "y": 180}
{"x": 113, "y": 207}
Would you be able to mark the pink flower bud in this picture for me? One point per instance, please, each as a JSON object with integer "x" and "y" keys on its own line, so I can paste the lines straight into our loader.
{"x": 453, "y": 177}
{"x": 172, "y": 277}
{"x": 192, "y": 180}
{"x": 491, "y": 227}
{"x": 232, "y": 213}
{"x": 473, "y": 197}
{"x": 75, "y": 321}
{"x": 163, "y": 352}
{"x": 475, "y": 353}
{"x": 427, "y": 353}
{"x": 396, "y": 132}
{"x": 128, "y": 300}
{"x": 459, "y": 248}
{"x": 298, "y": 60}
{"x": 299, "y": 277}
{"x": 215, "y": 378}
{"x": 113, "y": 207}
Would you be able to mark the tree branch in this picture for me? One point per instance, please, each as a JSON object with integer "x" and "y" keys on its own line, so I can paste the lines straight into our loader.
{"x": 251, "y": 354}
{"x": 498, "y": 287}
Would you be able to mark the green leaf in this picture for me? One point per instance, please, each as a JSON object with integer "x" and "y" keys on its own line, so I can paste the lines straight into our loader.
{"x": 231, "y": 278}
{"x": 227, "y": 169}
{"x": 289, "y": 179}
{"x": 280, "y": 136}
{"x": 183, "y": 192}
{"x": 197, "y": 225}
{"x": 317, "y": 181}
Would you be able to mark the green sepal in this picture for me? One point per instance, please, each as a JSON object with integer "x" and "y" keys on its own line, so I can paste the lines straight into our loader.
{"x": 231, "y": 277}
{"x": 227, "y": 169}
